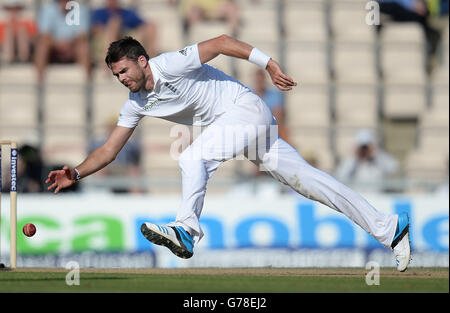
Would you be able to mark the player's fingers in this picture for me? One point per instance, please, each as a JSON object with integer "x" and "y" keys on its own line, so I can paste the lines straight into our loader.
{"x": 50, "y": 179}
{"x": 282, "y": 87}
{"x": 280, "y": 77}
{"x": 284, "y": 83}
{"x": 51, "y": 186}
{"x": 57, "y": 190}
{"x": 51, "y": 174}
{"x": 286, "y": 80}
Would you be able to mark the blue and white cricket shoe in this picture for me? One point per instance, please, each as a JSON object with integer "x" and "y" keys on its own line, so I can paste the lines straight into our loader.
{"x": 401, "y": 245}
{"x": 175, "y": 238}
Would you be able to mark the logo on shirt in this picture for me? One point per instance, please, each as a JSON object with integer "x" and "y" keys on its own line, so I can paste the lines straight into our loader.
{"x": 172, "y": 88}
{"x": 150, "y": 105}
{"x": 183, "y": 51}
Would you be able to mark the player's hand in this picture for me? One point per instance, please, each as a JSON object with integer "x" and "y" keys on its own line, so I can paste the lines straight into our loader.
{"x": 60, "y": 179}
{"x": 279, "y": 79}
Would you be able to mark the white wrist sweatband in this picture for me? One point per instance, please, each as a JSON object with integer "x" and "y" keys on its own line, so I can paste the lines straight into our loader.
{"x": 259, "y": 58}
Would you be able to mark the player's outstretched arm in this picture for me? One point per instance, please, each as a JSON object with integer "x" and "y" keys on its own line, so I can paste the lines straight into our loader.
{"x": 225, "y": 45}
{"x": 97, "y": 160}
{"x": 229, "y": 46}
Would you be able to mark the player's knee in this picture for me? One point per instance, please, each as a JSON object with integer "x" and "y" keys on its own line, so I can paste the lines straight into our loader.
{"x": 185, "y": 157}
{"x": 189, "y": 162}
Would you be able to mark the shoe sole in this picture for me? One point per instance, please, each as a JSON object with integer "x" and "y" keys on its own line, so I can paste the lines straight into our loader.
{"x": 160, "y": 240}
{"x": 404, "y": 232}
{"x": 409, "y": 242}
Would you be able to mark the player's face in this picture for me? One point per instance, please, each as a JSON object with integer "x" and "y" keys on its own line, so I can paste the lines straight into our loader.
{"x": 129, "y": 73}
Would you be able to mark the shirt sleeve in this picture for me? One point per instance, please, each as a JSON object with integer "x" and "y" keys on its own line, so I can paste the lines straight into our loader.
{"x": 179, "y": 63}
{"x": 128, "y": 116}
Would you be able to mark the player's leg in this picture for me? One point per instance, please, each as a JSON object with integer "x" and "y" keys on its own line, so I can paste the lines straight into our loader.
{"x": 197, "y": 167}
{"x": 228, "y": 136}
{"x": 285, "y": 164}
{"x": 179, "y": 236}
{"x": 195, "y": 173}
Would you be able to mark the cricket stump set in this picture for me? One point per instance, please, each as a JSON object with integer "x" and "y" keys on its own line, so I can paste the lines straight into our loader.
{"x": 13, "y": 201}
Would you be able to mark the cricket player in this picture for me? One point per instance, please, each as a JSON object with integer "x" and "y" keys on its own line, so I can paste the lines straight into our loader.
{"x": 180, "y": 87}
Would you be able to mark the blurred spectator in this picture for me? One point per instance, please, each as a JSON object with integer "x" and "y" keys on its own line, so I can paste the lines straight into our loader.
{"x": 30, "y": 169}
{"x": 413, "y": 11}
{"x": 194, "y": 11}
{"x": 369, "y": 167}
{"x": 17, "y": 33}
{"x": 113, "y": 21}
{"x": 274, "y": 100}
{"x": 126, "y": 164}
{"x": 63, "y": 38}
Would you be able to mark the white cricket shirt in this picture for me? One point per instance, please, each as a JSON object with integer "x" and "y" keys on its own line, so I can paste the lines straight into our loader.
{"x": 185, "y": 91}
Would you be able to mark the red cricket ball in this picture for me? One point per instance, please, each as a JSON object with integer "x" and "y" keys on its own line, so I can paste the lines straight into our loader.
{"x": 29, "y": 229}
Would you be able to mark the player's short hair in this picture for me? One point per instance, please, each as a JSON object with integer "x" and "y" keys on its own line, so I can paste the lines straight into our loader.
{"x": 126, "y": 47}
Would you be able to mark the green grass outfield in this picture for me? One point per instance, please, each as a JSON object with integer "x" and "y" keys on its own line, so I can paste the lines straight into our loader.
{"x": 215, "y": 280}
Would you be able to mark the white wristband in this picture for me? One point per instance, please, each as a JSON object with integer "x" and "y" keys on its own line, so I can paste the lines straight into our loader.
{"x": 259, "y": 58}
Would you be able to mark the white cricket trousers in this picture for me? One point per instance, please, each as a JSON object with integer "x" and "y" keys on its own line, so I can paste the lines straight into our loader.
{"x": 245, "y": 128}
